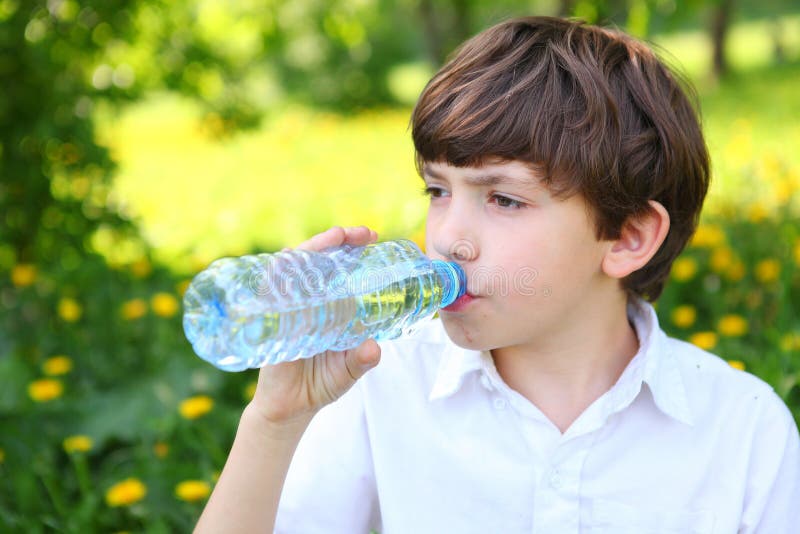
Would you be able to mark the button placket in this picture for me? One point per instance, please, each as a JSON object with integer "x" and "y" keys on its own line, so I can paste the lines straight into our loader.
{"x": 557, "y": 499}
{"x": 557, "y": 479}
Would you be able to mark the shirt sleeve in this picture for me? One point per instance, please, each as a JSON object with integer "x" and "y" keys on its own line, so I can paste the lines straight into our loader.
{"x": 773, "y": 488}
{"x": 330, "y": 485}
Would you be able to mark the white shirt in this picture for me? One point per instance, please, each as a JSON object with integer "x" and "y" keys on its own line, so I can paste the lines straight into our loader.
{"x": 432, "y": 440}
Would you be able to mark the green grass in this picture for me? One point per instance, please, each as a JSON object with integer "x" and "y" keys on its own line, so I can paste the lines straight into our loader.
{"x": 300, "y": 173}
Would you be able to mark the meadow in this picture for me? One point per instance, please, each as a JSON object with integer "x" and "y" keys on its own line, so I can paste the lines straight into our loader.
{"x": 110, "y": 423}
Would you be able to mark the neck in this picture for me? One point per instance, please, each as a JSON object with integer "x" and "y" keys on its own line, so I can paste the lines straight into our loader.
{"x": 573, "y": 368}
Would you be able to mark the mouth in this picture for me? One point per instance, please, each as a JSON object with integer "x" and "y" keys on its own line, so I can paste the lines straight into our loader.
{"x": 460, "y": 303}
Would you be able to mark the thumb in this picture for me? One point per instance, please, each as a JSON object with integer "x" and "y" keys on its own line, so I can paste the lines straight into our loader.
{"x": 363, "y": 358}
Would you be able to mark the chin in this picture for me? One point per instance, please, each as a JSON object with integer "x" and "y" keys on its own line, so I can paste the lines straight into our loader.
{"x": 465, "y": 337}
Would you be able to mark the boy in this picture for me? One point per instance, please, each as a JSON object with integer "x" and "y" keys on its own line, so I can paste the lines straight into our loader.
{"x": 566, "y": 170}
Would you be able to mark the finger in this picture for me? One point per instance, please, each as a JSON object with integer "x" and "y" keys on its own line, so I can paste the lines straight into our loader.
{"x": 337, "y": 235}
{"x": 331, "y": 237}
{"x": 362, "y": 358}
{"x": 357, "y": 235}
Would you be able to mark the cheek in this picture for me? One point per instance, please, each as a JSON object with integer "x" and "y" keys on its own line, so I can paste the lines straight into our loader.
{"x": 533, "y": 270}
{"x": 510, "y": 276}
{"x": 430, "y": 220}
{"x": 428, "y": 229}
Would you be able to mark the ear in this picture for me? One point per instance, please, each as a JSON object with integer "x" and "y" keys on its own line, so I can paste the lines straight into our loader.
{"x": 639, "y": 240}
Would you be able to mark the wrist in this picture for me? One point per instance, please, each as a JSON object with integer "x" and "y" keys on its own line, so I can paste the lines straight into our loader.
{"x": 288, "y": 428}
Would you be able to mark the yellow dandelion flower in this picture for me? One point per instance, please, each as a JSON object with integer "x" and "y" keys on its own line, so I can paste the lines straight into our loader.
{"x": 133, "y": 309}
{"x": 735, "y": 271}
{"x": 736, "y": 364}
{"x": 164, "y": 304}
{"x": 57, "y": 365}
{"x": 708, "y": 235}
{"x": 78, "y": 443}
{"x": 126, "y": 492}
{"x": 141, "y": 268}
{"x": 790, "y": 342}
{"x": 45, "y": 389}
{"x": 23, "y": 274}
{"x": 161, "y": 449}
{"x": 684, "y": 316}
{"x": 196, "y": 406}
{"x": 704, "y": 340}
{"x": 684, "y": 269}
{"x": 250, "y": 390}
{"x": 721, "y": 259}
{"x": 192, "y": 490}
{"x": 69, "y": 309}
{"x": 2, "y": 456}
{"x": 732, "y": 325}
{"x": 767, "y": 270}
{"x": 797, "y": 251}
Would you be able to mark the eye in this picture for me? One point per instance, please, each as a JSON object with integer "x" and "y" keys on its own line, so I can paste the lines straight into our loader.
{"x": 507, "y": 203}
{"x": 433, "y": 192}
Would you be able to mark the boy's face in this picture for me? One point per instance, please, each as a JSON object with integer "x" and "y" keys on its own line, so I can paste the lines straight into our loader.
{"x": 532, "y": 261}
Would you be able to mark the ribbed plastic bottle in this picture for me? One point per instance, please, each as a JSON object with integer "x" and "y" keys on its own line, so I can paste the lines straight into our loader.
{"x": 250, "y": 311}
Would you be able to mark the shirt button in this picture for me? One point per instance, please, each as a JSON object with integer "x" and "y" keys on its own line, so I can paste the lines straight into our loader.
{"x": 556, "y": 480}
{"x": 500, "y": 403}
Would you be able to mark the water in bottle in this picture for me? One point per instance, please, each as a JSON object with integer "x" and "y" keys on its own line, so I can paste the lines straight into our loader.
{"x": 262, "y": 309}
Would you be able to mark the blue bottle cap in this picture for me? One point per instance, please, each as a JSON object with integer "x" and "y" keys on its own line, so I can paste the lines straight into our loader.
{"x": 455, "y": 280}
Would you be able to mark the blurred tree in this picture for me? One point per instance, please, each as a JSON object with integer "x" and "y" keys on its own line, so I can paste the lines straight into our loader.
{"x": 778, "y": 48}
{"x": 55, "y": 177}
{"x": 565, "y": 7}
{"x": 446, "y": 25}
{"x": 721, "y": 15}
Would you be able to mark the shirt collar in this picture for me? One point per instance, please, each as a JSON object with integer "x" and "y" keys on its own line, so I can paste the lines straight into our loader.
{"x": 654, "y": 364}
{"x": 455, "y": 365}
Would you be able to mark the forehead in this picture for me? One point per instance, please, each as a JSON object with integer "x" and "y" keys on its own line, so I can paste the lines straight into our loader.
{"x": 513, "y": 173}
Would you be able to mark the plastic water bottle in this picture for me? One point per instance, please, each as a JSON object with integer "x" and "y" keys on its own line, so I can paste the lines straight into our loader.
{"x": 250, "y": 311}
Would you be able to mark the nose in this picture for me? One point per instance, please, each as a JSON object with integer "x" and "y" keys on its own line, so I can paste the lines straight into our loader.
{"x": 453, "y": 237}
{"x": 462, "y": 250}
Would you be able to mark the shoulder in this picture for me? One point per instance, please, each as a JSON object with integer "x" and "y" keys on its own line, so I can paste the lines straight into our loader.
{"x": 700, "y": 367}
{"x": 719, "y": 394}
{"x": 748, "y": 432}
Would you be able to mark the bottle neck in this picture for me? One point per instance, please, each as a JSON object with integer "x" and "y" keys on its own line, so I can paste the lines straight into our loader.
{"x": 453, "y": 280}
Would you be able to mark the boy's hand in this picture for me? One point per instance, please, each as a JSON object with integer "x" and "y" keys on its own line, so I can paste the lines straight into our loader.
{"x": 292, "y": 392}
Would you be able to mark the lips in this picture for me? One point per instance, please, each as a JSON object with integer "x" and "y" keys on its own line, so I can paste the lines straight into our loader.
{"x": 460, "y": 303}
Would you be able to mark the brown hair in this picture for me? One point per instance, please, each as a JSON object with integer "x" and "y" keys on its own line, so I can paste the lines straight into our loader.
{"x": 592, "y": 109}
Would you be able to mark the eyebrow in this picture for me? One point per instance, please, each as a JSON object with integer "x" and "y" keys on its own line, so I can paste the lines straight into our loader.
{"x": 484, "y": 180}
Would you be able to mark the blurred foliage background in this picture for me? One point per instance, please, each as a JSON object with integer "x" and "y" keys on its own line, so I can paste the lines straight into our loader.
{"x": 139, "y": 140}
